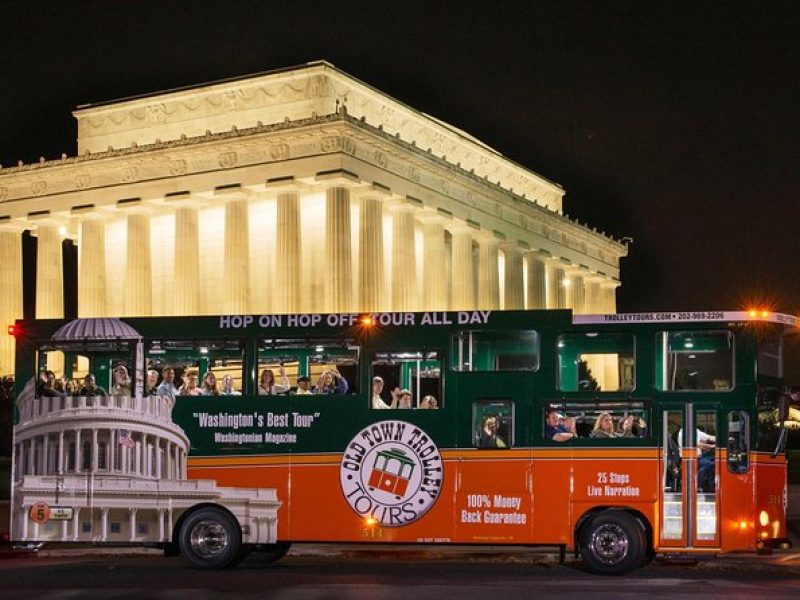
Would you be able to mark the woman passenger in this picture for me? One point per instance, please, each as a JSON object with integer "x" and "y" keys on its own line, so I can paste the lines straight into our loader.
{"x": 122, "y": 382}
{"x": 210, "y": 384}
{"x": 603, "y": 426}
{"x": 267, "y": 385}
{"x": 331, "y": 382}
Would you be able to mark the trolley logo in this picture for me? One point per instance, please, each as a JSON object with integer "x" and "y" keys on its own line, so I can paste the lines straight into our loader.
{"x": 391, "y": 471}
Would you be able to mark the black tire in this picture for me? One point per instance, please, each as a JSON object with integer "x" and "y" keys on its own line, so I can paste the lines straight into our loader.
{"x": 211, "y": 539}
{"x": 613, "y": 543}
{"x": 274, "y": 552}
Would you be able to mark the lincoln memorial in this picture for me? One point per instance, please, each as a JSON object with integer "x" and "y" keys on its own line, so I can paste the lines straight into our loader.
{"x": 297, "y": 190}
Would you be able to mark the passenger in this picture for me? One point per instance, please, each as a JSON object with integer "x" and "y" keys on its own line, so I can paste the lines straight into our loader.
{"x": 377, "y": 388}
{"x": 489, "y": 437}
{"x": 404, "y": 400}
{"x": 706, "y": 447}
{"x": 190, "y": 387}
{"x": 151, "y": 385}
{"x": 90, "y": 387}
{"x": 331, "y": 382}
{"x": 603, "y": 427}
{"x": 558, "y": 432}
{"x": 429, "y": 402}
{"x": 267, "y": 385}
{"x": 304, "y": 386}
{"x": 210, "y": 384}
{"x": 122, "y": 381}
{"x": 167, "y": 387}
{"x": 227, "y": 387}
{"x": 47, "y": 386}
{"x": 632, "y": 427}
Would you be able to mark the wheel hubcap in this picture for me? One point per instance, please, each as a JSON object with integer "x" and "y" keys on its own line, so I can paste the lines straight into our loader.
{"x": 609, "y": 543}
{"x": 208, "y": 539}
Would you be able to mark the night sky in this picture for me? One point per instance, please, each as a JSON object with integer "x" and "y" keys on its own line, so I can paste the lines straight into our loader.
{"x": 676, "y": 126}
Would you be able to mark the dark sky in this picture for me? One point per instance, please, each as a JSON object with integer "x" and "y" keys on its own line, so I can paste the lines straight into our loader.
{"x": 676, "y": 125}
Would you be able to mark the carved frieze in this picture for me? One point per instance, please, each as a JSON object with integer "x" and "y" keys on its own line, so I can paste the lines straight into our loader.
{"x": 39, "y": 188}
{"x": 226, "y": 160}
{"x": 83, "y": 181}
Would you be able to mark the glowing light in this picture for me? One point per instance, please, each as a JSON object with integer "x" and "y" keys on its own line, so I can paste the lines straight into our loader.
{"x": 764, "y": 314}
{"x": 753, "y": 313}
{"x": 763, "y": 518}
{"x": 203, "y": 350}
{"x": 566, "y": 282}
{"x": 743, "y": 525}
{"x": 12, "y": 330}
{"x": 62, "y": 231}
{"x": 367, "y": 321}
{"x": 764, "y": 535}
{"x": 370, "y": 521}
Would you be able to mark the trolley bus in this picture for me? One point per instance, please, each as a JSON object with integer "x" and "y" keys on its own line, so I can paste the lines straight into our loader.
{"x": 614, "y": 436}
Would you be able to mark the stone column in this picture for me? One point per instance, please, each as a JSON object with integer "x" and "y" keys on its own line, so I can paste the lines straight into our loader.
{"x": 10, "y": 292}
{"x": 556, "y": 292}
{"x": 537, "y": 281}
{"x": 60, "y": 469}
{"x": 168, "y": 450}
{"x": 49, "y": 274}
{"x": 289, "y": 258}
{"x": 104, "y": 523}
{"x": 575, "y": 292}
{"x": 138, "y": 290}
{"x": 514, "y": 284}
{"x": 46, "y": 454}
{"x": 157, "y": 456}
{"x": 338, "y": 276}
{"x": 92, "y": 267}
{"x": 463, "y": 286}
{"x": 434, "y": 269}
{"x": 111, "y": 455}
{"x": 609, "y": 296}
{"x": 236, "y": 297}
{"x": 186, "y": 280}
{"x": 592, "y": 303}
{"x": 370, "y": 253}
{"x": 488, "y": 271}
{"x": 95, "y": 452}
{"x": 404, "y": 270}
{"x": 132, "y": 523}
{"x": 78, "y": 452}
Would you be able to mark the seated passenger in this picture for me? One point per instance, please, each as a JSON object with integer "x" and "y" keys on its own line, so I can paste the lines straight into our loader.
{"x": 304, "y": 386}
{"x": 151, "y": 384}
{"x": 267, "y": 385}
{"x": 190, "y": 387}
{"x": 558, "y": 431}
{"x": 46, "y": 387}
{"x": 331, "y": 382}
{"x": 488, "y": 435}
{"x": 210, "y": 384}
{"x": 90, "y": 387}
{"x": 603, "y": 427}
{"x": 122, "y": 381}
{"x": 167, "y": 388}
{"x": 227, "y": 387}
{"x": 404, "y": 400}
{"x": 377, "y": 388}
{"x": 632, "y": 427}
{"x": 429, "y": 402}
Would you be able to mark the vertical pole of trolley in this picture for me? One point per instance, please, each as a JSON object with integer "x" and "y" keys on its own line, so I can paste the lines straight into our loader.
{"x": 250, "y": 366}
{"x": 471, "y": 355}
{"x": 691, "y": 481}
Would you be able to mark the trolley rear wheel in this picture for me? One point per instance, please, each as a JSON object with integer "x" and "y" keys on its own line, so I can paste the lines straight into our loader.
{"x": 613, "y": 543}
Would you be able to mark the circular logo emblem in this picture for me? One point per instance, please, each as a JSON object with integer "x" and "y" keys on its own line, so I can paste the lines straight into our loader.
{"x": 392, "y": 472}
{"x": 40, "y": 512}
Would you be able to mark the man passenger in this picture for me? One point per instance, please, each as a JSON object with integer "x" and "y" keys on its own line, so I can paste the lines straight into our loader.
{"x": 377, "y": 388}
{"x": 167, "y": 387}
{"x": 90, "y": 387}
{"x": 304, "y": 386}
{"x": 558, "y": 431}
